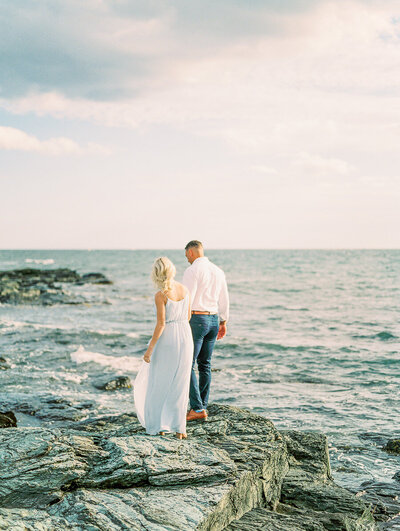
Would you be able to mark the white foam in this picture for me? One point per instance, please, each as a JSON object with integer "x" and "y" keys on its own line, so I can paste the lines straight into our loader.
{"x": 44, "y": 261}
{"x": 70, "y": 377}
{"x": 127, "y": 363}
{"x": 9, "y": 325}
{"x": 52, "y": 327}
{"x": 103, "y": 332}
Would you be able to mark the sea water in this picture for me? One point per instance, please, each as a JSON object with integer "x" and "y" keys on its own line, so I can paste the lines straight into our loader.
{"x": 313, "y": 342}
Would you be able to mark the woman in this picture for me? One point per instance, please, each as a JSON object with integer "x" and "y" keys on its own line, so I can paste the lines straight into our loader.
{"x": 161, "y": 388}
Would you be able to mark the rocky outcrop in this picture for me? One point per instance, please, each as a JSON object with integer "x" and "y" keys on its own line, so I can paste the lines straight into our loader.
{"x": 47, "y": 407}
{"x": 8, "y": 420}
{"x": 44, "y": 286}
{"x": 310, "y": 500}
{"x": 4, "y": 365}
{"x": 393, "y": 446}
{"x": 112, "y": 383}
{"x": 234, "y": 471}
{"x": 383, "y": 497}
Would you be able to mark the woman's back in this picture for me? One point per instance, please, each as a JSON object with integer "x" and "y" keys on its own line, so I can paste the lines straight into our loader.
{"x": 177, "y": 292}
{"x": 162, "y": 387}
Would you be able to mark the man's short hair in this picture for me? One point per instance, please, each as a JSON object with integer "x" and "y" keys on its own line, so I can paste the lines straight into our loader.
{"x": 194, "y": 243}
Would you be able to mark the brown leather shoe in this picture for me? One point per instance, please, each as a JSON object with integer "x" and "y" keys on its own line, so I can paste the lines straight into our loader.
{"x": 193, "y": 415}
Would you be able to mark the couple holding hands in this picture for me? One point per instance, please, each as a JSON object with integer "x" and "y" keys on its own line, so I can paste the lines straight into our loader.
{"x": 190, "y": 317}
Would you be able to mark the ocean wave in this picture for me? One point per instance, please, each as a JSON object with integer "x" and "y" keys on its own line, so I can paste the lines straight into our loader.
{"x": 383, "y": 336}
{"x": 6, "y": 325}
{"x": 20, "y": 324}
{"x": 285, "y": 308}
{"x": 112, "y": 333}
{"x": 284, "y": 348}
{"x": 72, "y": 377}
{"x": 44, "y": 261}
{"x": 127, "y": 363}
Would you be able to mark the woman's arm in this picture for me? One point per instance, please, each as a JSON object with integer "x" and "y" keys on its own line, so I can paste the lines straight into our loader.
{"x": 190, "y": 306}
{"x": 158, "y": 330}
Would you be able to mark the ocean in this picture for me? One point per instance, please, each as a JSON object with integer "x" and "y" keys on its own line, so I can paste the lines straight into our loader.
{"x": 313, "y": 344}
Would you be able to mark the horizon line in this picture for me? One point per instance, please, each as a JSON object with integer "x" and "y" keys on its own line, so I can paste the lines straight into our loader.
{"x": 88, "y": 249}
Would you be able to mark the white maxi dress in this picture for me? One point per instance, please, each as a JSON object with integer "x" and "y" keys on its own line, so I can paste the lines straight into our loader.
{"x": 161, "y": 387}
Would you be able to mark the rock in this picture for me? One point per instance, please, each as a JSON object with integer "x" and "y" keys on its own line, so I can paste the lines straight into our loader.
{"x": 308, "y": 488}
{"x": 267, "y": 520}
{"x": 230, "y": 464}
{"x": 4, "y": 364}
{"x": 37, "y": 520}
{"x": 310, "y": 500}
{"x": 111, "y": 383}
{"x": 7, "y": 419}
{"x": 95, "y": 278}
{"x": 234, "y": 470}
{"x": 383, "y": 496}
{"x": 46, "y": 406}
{"x": 42, "y": 286}
{"x": 36, "y": 464}
{"x": 391, "y": 525}
{"x": 309, "y": 451}
{"x": 393, "y": 446}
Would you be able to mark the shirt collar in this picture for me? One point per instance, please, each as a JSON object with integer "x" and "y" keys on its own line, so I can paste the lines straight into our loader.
{"x": 200, "y": 259}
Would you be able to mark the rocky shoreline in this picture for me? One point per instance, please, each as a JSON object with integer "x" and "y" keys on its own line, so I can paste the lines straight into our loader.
{"x": 235, "y": 471}
{"x": 44, "y": 286}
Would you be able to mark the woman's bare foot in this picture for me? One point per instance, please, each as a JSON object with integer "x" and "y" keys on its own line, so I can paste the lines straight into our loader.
{"x": 181, "y": 435}
{"x": 162, "y": 433}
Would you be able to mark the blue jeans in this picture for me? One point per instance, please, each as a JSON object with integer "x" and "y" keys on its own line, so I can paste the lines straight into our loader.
{"x": 204, "y": 330}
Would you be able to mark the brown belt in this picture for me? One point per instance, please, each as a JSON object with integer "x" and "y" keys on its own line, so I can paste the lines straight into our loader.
{"x": 202, "y": 313}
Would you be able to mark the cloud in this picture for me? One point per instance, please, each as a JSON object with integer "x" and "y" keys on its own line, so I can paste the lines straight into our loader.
{"x": 15, "y": 139}
{"x": 266, "y": 170}
{"x": 318, "y": 165}
{"x": 102, "y": 50}
{"x": 317, "y": 78}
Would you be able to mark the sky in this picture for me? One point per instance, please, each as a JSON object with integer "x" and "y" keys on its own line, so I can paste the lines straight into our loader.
{"x": 244, "y": 124}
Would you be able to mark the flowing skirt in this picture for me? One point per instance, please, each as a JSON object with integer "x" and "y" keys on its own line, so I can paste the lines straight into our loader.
{"x": 161, "y": 387}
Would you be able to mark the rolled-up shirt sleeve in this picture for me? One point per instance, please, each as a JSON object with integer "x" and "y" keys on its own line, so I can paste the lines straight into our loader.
{"x": 223, "y": 301}
{"x": 190, "y": 281}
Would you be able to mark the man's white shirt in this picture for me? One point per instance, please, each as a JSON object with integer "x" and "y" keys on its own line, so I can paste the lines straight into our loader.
{"x": 207, "y": 285}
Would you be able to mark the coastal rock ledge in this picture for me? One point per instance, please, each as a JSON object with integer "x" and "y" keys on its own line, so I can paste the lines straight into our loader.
{"x": 44, "y": 286}
{"x": 235, "y": 471}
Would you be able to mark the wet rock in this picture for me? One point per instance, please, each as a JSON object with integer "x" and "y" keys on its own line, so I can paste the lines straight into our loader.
{"x": 36, "y": 463}
{"x": 51, "y": 408}
{"x": 111, "y": 383}
{"x": 232, "y": 463}
{"x": 383, "y": 497}
{"x": 267, "y": 520}
{"x": 234, "y": 470}
{"x": 94, "y": 278}
{"x": 308, "y": 451}
{"x": 308, "y": 488}
{"x": 7, "y": 419}
{"x": 393, "y": 446}
{"x": 44, "y": 286}
{"x": 4, "y": 364}
{"x": 391, "y": 525}
{"x": 32, "y": 520}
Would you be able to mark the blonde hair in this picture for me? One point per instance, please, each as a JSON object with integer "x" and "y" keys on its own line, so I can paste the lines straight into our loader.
{"x": 163, "y": 273}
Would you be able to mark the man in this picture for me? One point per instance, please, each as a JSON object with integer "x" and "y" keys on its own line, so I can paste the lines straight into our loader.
{"x": 210, "y": 311}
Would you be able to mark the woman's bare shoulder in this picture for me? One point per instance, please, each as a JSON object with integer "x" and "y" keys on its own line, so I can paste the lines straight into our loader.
{"x": 159, "y": 296}
{"x": 180, "y": 287}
